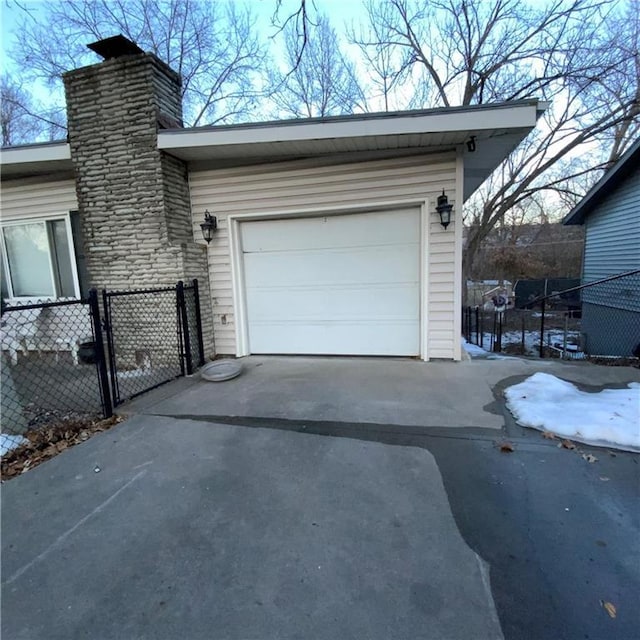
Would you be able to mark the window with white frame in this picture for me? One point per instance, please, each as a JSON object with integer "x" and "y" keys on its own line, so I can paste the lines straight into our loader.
{"x": 38, "y": 260}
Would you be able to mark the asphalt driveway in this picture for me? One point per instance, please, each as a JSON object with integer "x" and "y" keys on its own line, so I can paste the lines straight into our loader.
{"x": 384, "y": 391}
{"x": 250, "y": 509}
{"x": 199, "y": 530}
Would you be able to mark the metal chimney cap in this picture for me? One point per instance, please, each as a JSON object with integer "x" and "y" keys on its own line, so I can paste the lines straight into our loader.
{"x": 115, "y": 47}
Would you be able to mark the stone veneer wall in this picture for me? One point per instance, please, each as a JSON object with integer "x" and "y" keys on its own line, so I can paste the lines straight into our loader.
{"x": 133, "y": 198}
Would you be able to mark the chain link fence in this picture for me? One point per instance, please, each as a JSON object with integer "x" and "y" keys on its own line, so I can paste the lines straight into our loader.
{"x": 154, "y": 336}
{"x": 72, "y": 361}
{"x": 192, "y": 320}
{"x": 49, "y": 370}
{"x": 143, "y": 337}
{"x": 595, "y": 320}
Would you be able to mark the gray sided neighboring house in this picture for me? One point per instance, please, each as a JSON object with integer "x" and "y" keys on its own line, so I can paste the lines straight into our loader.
{"x": 610, "y": 213}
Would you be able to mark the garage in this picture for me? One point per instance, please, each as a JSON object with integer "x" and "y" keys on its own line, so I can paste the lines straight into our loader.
{"x": 335, "y": 284}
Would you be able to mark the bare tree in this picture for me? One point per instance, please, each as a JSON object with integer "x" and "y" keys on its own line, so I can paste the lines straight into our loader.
{"x": 317, "y": 81}
{"x": 213, "y": 45}
{"x": 383, "y": 66}
{"x": 21, "y": 121}
{"x": 298, "y": 23}
{"x": 582, "y": 55}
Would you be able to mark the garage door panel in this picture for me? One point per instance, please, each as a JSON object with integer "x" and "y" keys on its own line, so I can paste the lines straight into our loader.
{"x": 344, "y": 285}
{"x": 372, "y": 265}
{"x": 331, "y": 232}
{"x": 382, "y": 339}
{"x": 330, "y": 305}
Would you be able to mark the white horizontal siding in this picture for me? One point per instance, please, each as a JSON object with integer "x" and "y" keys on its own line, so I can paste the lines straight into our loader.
{"x": 34, "y": 198}
{"x": 300, "y": 186}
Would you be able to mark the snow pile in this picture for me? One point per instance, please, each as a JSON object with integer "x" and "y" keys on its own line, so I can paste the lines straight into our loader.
{"x": 474, "y": 350}
{"x": 9, "y": 443}
{"x": 610, "y": 417}
{"x": 478, "y": 352}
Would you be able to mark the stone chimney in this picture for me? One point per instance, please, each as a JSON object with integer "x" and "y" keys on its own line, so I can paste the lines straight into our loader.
{"x": 135, "y": 214}
{"x": 133, "y": 198}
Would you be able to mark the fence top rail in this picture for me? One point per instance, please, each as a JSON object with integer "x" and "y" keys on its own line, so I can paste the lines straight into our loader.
{"x": 618, "y": 276}
{"x": 42, "y": 305}
{"x": 134, "y": 292}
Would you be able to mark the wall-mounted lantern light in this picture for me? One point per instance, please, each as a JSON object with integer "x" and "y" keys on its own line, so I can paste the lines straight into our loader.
{"x": 444, "y": 210}
{"x": 209, "y": 226}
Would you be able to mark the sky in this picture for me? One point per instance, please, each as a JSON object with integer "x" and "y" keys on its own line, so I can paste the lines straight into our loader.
{"x": 342, "y": 13}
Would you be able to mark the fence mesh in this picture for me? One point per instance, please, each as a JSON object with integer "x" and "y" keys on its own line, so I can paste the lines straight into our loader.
{"x": 56, "y": 370}
{"x": 595, "y": 320}
{"x": 143, "y": 339}
{"x": 48, "y": 371}
{"x": 193, "y": 321}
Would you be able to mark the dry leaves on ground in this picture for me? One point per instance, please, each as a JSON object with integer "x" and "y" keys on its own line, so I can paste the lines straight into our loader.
{"x": 609, "y": 608}
{"x": 49, "y": 441}
{"x": 567, "y": 444}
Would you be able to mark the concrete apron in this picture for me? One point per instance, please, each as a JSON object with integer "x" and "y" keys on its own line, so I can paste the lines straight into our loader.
{"x": 200, "y": 530}
{"x": 388, "y": 391}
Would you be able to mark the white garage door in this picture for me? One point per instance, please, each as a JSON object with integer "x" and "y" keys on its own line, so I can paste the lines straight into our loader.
{"x": 347, "y": 284}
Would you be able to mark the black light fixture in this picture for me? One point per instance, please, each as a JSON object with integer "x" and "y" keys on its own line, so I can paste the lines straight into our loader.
{"x": 444, "y": 210}
{"x": 471, "y": 144}
{"x": 209, "y": 226}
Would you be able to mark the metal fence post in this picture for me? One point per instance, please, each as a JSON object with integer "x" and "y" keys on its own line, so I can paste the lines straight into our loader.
{"x": 196, "y": 302}
{"x": 184, "y": 321}
{"x": 477, "y": 325}
{"x": 498, "y": 344}
{"x": 542, "y": 329}
{"x": 101, "y": 361}
{"x": 112, "y": 354}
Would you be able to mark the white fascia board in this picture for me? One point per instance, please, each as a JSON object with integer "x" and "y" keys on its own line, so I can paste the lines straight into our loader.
{"x": 35, "y": 153}
{"x": 473, "y": 120}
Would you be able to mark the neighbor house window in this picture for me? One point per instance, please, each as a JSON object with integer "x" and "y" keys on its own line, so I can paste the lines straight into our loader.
{"x": 38, "y": 260}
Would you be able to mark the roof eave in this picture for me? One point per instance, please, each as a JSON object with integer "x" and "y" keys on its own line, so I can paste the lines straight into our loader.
{"x": 603, "y": 187}
{"x": 479, "y": 117}
{"x": 35, "y": 159}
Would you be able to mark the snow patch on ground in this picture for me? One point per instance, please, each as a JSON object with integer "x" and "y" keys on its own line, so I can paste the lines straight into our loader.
{"x": 478, "y": 352}
{"x": 608, "y": 418}
{"x": 9, "y": 443}
{"x": 474, "y": 350}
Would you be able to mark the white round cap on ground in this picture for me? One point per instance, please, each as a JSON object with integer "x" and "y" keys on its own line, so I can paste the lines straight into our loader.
{"x": 221, "y": 370}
